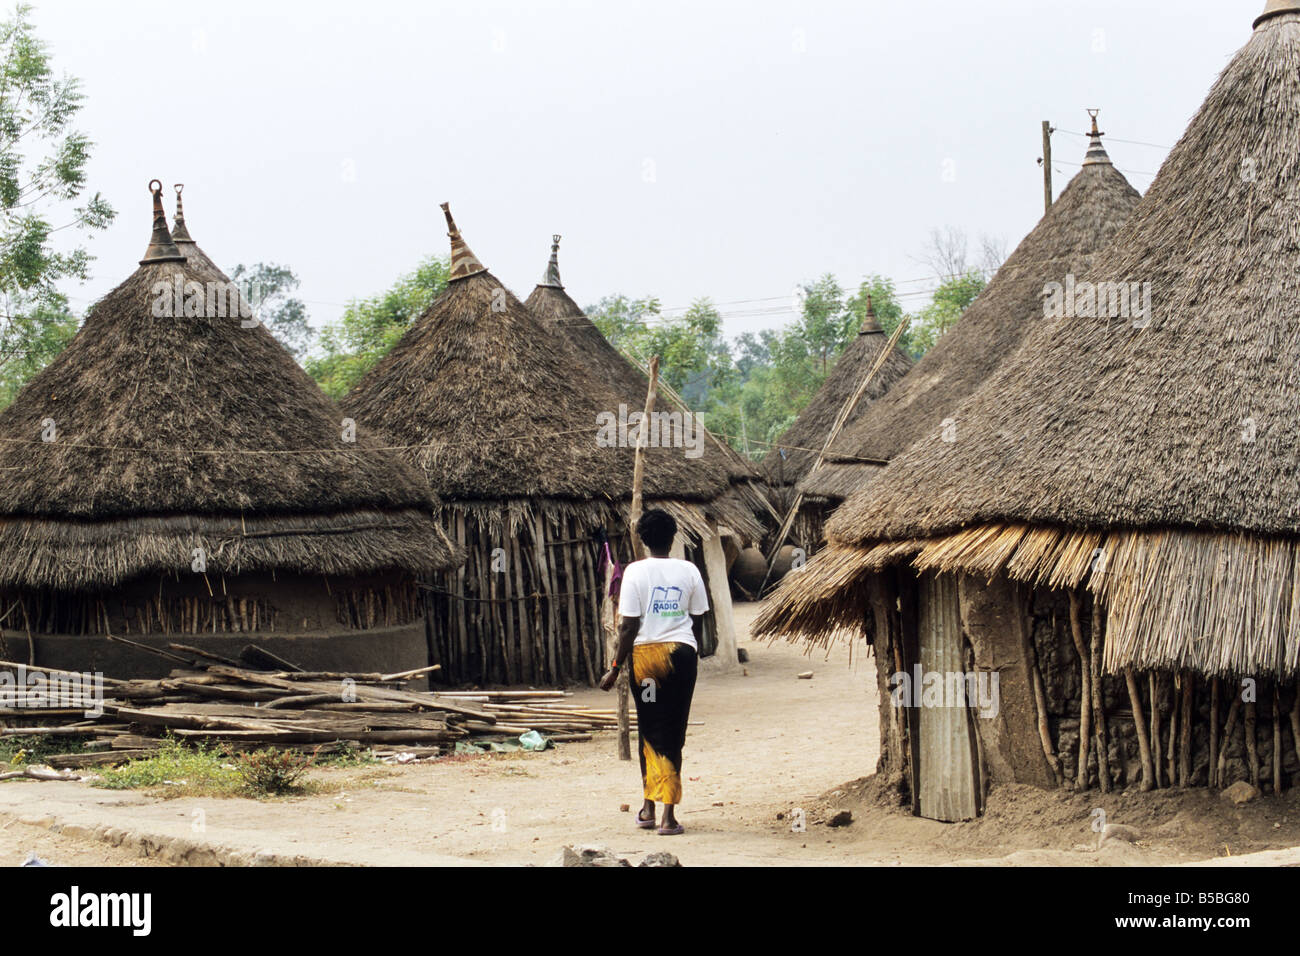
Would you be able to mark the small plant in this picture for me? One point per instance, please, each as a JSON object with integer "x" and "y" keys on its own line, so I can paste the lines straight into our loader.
{"x": 179, "y": 770}
{"x": 273, "y": 772}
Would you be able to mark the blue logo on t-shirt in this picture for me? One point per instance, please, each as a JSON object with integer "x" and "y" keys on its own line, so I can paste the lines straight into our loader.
{"x": 666, "y": 602}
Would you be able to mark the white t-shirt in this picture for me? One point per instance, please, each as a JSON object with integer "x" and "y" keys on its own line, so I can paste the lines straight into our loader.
{"x": 663, "y": 593}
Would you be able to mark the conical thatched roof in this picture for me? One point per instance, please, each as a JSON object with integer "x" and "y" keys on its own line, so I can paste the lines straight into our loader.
{"x": 1151, "y": 459}
{"x": 197, "y": 258}
{"x": 502, "y": 407}
{"x": 550, "y": 303}
{"x": 795, "y": 452}
{"x": 1097, "y": 201}
{"x": 156, "y": 431}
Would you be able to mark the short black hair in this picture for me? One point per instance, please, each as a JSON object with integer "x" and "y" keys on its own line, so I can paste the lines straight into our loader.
{"x": 657, "y": 528}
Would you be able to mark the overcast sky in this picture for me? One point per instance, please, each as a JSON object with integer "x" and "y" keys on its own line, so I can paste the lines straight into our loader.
{"x": 682, "y": 149}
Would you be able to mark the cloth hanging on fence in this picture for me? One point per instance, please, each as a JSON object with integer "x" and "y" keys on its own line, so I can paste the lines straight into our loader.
{"x": 607, "y": 560}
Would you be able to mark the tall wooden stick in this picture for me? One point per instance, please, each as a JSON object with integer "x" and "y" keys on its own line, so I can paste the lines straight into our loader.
{"x": 1172, "y": 756}
{"x": 1140, "y": 725}
{"x": 1040, "y": 705}
{"x": 1214, "y": 733}
{"x": 638, "y": 551}
{"x": 1153, "y": 686}
{"x": 1099, "y": 701}
{"x": 1185, "y": 739}
{"x": 1233, "y": 712}
{"x": 1085, "y": 692}
{"x": 1277, "y": 738}
{"x": 1252, "y": 744}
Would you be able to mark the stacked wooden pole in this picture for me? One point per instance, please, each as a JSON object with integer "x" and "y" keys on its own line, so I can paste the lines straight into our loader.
{"x": 212, "y": 700}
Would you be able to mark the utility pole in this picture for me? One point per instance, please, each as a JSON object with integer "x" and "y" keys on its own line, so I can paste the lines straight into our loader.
{"x": 1047, "y": 166}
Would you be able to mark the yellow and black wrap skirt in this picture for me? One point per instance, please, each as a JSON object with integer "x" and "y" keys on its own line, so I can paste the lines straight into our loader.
{"x": 663, "y": 682}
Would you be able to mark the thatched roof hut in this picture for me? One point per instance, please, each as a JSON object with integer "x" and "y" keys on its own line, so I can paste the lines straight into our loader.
{"x": 170, "y": 458}
{"x": 504, "y": 419}
{"x": 1131, "y": 470}
{"x": 552, "y": 304}
{"x": 499, "y": 408}
{"x": 1097, "y": 201}
{"x": 795, "y": 452}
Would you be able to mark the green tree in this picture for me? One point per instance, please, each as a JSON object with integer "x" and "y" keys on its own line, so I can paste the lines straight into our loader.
{"x": 775, "y": 373}
{"x": 821, "y": 323}
{"x": 35, "y": 333}
{"x": 42, "y": 178}
{"x": 370, "y": 327}
{"x": 692, "y": 353}
{"x": 268, "y": 287}
{"x": 621, "y": 319}
{"x": 950, "y": 300}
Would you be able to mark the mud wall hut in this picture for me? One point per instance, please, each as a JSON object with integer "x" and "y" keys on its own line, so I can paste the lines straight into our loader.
{"x": 1123, "y": 548}
{"x": 173, "y": 475}
{"x": 526, "y": 453}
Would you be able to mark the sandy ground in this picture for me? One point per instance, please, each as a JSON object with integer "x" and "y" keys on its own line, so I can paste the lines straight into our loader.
{"x": 767, "y": 746}
{"x": 18, "y": 842}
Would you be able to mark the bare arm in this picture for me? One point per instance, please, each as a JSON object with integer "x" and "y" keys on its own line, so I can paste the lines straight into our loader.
{"x": 627, "y": 631}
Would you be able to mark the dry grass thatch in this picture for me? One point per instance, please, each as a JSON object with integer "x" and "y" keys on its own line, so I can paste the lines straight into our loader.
{"x": 1163, "y": 451}
{"x": 502, "y": 408}
{"x": 169, "y": 431}
{"x": 1086, "y": 216}
{"x": 1216, "y": 603}
{"x": 796, "y": 450}
{"x": 557, "y": 310}
{"x": 1187, "y": 421}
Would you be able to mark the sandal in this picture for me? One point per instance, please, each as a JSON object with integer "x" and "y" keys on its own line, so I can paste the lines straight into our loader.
{"x": 671, "y": 831}
{"x": 644, "y": 824}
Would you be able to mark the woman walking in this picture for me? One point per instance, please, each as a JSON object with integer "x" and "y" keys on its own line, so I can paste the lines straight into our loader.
{"x": 661, "y": 606}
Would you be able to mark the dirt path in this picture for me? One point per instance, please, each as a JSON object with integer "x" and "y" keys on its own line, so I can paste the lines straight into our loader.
{"x": 766, "y": 744}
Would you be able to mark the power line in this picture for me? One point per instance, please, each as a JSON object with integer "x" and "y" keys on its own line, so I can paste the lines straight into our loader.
{"x": 1126, "y": 172}
{"x": 1113, "y": 139}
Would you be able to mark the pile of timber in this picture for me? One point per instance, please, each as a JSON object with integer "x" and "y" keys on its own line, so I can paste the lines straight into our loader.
{"x": 262, "y": 700}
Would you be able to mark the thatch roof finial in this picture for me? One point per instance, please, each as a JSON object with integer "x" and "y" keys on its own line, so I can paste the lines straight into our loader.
{"x": 552, "y": 276}
{"x": 179, "y": 232}
{"x": 869, "y": 323}
{"x": 161, "y": 246}
{"x": 463, "y": 261}
{"x": 1096, "y": 152}
{"x": 1276, "y": 8}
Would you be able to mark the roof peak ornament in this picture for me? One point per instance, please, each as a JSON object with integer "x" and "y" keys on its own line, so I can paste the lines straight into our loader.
{"x": 1097, "y": 155}
{"x": 179, "y": 232}
{"x": 1275, "y": 8}
{"x": 552, "y": 276}
{"x": 463, "y": 261}
{"x": 162, "y": 248}
{"x": 870, "y": 325}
